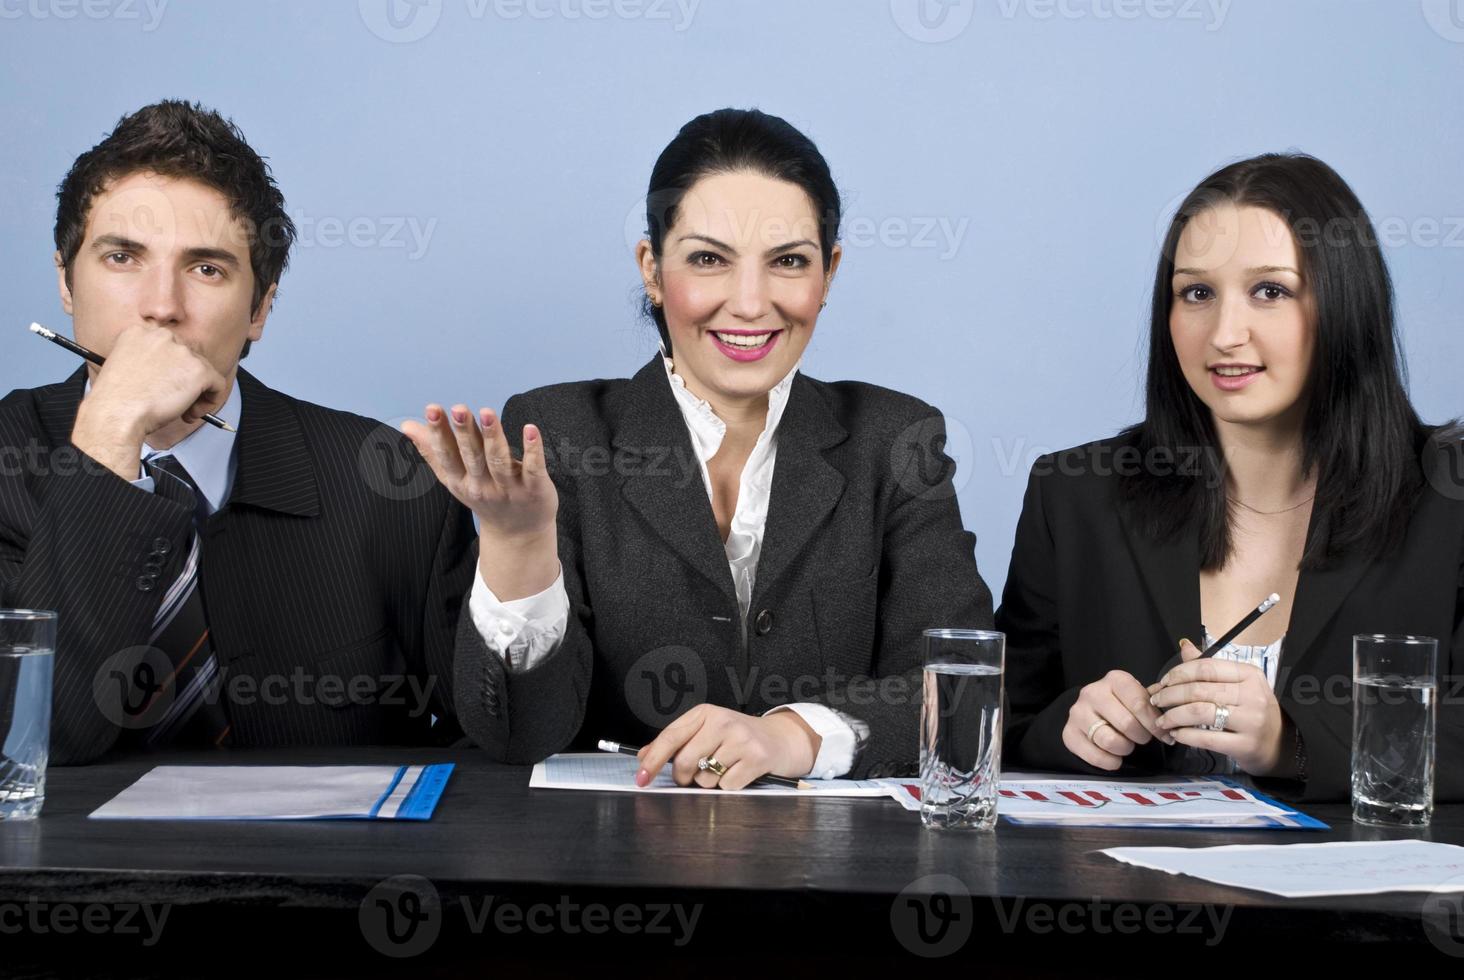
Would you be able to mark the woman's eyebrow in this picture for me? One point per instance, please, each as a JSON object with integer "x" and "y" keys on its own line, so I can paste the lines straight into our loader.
{"x": 710, "y": 241}
{"x": 788, "y": 246}
{"x": 1253, "y": 271}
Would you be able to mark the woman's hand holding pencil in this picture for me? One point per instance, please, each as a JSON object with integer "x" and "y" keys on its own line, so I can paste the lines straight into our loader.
{"x": 1223, "y": 706}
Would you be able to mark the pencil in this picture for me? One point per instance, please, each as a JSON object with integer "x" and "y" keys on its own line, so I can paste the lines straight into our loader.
{"x": 767, "y": 780}
{"x": 1241, "y": 626}
{"x": 99, "y": 360}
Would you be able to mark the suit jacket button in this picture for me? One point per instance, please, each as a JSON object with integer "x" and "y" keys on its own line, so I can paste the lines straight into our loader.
{"x": 764, "y": 622}
{"x": 146, "y": 583}
{"x": 163, "y": 546}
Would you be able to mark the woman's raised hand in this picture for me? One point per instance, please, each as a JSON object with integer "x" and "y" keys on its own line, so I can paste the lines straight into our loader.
{"x": 514, "y": 500}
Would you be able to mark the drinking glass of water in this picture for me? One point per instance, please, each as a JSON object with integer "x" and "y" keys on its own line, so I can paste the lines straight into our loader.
{"x": 1394, "y": 712}
{"x": 960, "y": 728}
{"x": 27, "y": 642}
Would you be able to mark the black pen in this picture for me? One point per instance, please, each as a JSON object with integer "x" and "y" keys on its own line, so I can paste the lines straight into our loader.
{"x": 99, "y": 360}
{"x": 768, "y": 779}
{"x": 1241, "y": 626}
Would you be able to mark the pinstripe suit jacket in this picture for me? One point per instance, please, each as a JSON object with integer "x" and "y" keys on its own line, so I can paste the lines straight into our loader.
{"x": 863, "y": 548}
{"x": 332, "y": 577}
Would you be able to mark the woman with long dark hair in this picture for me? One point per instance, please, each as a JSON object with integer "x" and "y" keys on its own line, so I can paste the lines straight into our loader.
{"x": 1278, "y": 454}
{"x": 720, "y": 556}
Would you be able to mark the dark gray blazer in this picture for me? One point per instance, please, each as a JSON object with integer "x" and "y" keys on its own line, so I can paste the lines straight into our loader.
{"x": 863, "y": 549}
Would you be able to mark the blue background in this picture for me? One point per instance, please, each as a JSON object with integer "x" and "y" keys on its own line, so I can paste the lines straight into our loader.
{"x": 1008, "y": 166}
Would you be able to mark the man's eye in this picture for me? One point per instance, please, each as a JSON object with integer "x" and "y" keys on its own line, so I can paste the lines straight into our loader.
{"x": 118, "y": 258}
{"x": 210, "y": 271}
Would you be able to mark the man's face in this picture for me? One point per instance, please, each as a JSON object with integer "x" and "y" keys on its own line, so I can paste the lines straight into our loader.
{"x": 168, "y": 252}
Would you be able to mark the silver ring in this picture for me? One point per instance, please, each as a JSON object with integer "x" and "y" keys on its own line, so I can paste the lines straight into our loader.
{"x": 1222, "y": 715}
{"x": 1097, "y": 725}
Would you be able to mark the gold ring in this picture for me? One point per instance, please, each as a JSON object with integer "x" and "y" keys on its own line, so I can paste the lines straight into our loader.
{"x": 1097, "y": 725}
{"x": 709, "y": 763}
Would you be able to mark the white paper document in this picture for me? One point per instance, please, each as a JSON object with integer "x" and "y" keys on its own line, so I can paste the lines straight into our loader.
{"x": 280, "y": 793}
{"x": 612, "y": 771}
{"x": 1312, "y": 870}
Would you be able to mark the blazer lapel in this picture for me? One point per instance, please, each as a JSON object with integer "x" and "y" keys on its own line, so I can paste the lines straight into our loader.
{"x": 805, "y": 486}
{"x": 1171, "y": 573}
{"x": 275, "y": 470}
{"x": 1319, "y": 595}
{"x": 654, "y": 450}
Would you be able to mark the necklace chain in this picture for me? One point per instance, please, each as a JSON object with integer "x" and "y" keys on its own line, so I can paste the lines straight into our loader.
{"x": 1272, "y": 513}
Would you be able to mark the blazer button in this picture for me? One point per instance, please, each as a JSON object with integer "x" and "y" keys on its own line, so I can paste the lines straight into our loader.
{"x": 163, "y": 546}
{"x": 146, "y": 583}
{"x": 764, "y": 622}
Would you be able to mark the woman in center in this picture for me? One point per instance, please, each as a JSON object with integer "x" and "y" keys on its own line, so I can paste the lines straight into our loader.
{"x": 720, "y": 557}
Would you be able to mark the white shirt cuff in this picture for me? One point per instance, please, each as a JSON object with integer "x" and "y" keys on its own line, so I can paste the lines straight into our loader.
{"x": 836, "y": 751}
{"x": 522, "y": 631}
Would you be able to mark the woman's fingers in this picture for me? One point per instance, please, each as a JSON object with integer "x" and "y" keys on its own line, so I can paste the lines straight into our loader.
{"x": 1201, "y": 714}
{"x": 1084, "y": 748}
{"x": 1136, "y": 718}
{"x": 1217, "y": 692}
{"x": 469, "y": 442}
{"x": 534, "y": 466}
{"x": 703, "y": 745}
{"x": 1209, "y": 670}
{"x": 1225, "y": 743}
{"x": 1112, "y": 741}
{"x": 741, "y": 775}
{"x": 435, "y": 442}
{"x": 654, "y": 756}
{"x": 498, "y": 454}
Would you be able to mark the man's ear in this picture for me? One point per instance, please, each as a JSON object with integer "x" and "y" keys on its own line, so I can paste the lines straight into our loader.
{"x": 256, "y": 320}
{"x": 62, "y": 285}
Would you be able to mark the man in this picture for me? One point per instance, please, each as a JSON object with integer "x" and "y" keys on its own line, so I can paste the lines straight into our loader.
{"x": 279, "y": 584}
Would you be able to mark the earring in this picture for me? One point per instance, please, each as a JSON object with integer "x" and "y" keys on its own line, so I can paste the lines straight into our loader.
{"x": 823, "y": 304}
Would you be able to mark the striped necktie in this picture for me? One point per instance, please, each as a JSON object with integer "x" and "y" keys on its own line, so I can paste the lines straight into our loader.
{"x": 196, "y": 714}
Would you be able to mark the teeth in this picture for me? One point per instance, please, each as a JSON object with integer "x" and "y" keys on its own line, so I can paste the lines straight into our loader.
{"x": 1235, "y": 372}
{"x": 744, "y": 341}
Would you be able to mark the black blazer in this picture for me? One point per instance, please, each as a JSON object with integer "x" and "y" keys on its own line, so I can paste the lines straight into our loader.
{"x": 863, "y": 549}
{"x": 1088, "y": 593}
{"x": 332, "y": 577}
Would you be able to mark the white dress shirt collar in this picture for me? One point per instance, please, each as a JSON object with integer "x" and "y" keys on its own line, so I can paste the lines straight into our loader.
{"x": 749, "y": 519}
